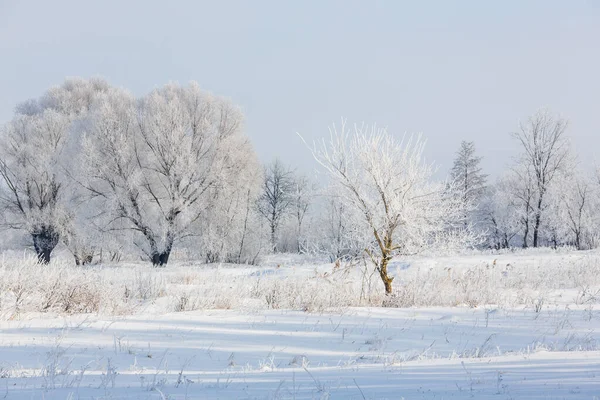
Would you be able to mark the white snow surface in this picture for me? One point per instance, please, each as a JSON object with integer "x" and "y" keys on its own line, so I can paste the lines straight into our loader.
{"x": 452, "y": 352}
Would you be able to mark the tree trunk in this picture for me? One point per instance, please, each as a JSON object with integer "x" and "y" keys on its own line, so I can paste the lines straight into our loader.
{"x": 538, "y": 222}
{"x": 386, "y": 279}
{"x": 161, "y": 259}
{"x": 273, "y": 238}
{"x": 45, "y": 240}
{"x": 536, "y": 230}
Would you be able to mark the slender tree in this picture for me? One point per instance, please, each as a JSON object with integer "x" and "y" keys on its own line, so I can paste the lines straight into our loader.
{"x": 545, "y": 154}
{"x": 573, "y": 209}
{"x": 500, "y": 213}
{"x": 277, "y": 197}
{"x": 302, "y": 200}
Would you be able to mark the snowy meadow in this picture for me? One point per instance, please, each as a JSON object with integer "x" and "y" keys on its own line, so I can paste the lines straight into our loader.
{"x": 512, "y": 325}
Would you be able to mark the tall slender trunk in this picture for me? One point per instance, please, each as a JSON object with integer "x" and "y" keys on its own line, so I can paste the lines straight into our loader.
{"x": 273, "y": 238}
{"x": 536, "y": 228}
{"x": 526, "y": 234}
{"x": 538, "y": 218}
{"x": 298, "y": 234}
{"x": 245, "y": 228}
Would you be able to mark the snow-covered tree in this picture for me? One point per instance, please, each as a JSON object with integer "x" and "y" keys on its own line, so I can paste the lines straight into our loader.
{"x": 277, "y": 197}
{"x": 30, "y": 166}
{"x": 302, "y": 200}
{"x": 159, "y": 163}
{"x": 389, "y": 187}
{"x": 570, "y": 212}
{"x": 231, "y": 228}
{"x": 469, "y": 179}
{"x": 522, "y": 190}
{"x": 37, "y": 194}
{"x": 500, "y": 214}
{"x": 545, "y": 155}
{"x": 340, "y": 237}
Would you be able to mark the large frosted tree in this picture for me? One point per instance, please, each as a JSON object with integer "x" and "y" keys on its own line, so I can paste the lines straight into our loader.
{"x": 30, "y": 167}
{"x": 160, "y": 162}
{"x": 36, "y": 147}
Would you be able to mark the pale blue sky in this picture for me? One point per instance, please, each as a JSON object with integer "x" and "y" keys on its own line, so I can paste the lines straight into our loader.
{"x": 451, "y": 70}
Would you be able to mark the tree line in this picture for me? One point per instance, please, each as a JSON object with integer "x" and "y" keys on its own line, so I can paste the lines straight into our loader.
{"x": 105, "y": 173}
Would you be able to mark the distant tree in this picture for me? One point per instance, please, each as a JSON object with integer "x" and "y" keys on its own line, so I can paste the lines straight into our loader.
{"x": 340, "y": 239}
{"x": 468, "y": 178}
{"x": 499, "y": 211}
{"x": 302, "y": 200}
{"x": 277, "y": 197}
{"x": 545, "y": 155}
{"x": 575, "y": 216}
{"x": 523, "y": 192}
{"x": 390, "y": 189}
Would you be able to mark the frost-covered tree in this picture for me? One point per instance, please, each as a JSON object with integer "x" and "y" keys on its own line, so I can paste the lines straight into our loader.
{"x": 231, "y": 230}
{"x": 545, "y": 155}
{"x": 159, "y": 163}
{"x": 340, "y": 238}
{"x": 522, "y": 190}
{"x": 302, "y": 199}
{"x": 499, "y": 213}
{"x": 30, "y": 166}
{"x": 36, "y": 147}
{"x": 571, "y": 214}
{"x": 277, "y": 197}
{"x": 388, "y": 185}
{"x": 468, "y": 178}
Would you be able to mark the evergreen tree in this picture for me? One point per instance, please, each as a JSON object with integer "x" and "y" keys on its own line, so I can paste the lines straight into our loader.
{"x": 468, "y": 178}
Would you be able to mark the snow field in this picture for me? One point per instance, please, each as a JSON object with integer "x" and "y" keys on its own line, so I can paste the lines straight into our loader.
{"x": 508, "y": 326}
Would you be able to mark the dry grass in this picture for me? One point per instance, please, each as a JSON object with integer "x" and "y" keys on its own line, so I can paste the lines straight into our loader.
{"x": 27, "y": 287}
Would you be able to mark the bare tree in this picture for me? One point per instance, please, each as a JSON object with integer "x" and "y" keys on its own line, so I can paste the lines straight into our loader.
{"x": 277, "y": 196}
{"x": 523, "y": 193}
{"x": 575, "y": 201}
{"x": 389, "y": 186}
{"x": 159, "y": 163}
{"x": 545, "y": 153}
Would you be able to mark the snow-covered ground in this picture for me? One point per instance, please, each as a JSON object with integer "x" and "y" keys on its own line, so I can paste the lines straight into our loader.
{"x": 460, "y": 345}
